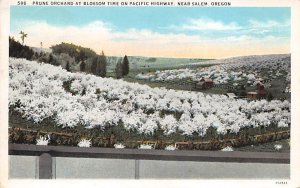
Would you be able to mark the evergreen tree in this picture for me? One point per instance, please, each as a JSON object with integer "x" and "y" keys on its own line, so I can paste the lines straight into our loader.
{"x": 125, "y": 66}
{"x": 50, "y": 60}
{"x": 36, "y": 55}
{"x": 99, "y": 65}
{"x": 42, "y": 58}
{"x": 118, "y": 70}
{"x": 81, "y": 55}
{"x": 18, "y": 50}
{"x": 94, "y": 65}
{"x": 82, "y": 66}
{"x": 102, "y": 65}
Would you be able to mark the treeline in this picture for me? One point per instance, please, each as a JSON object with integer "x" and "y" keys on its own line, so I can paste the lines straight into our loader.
{"x": 99, "y": 64}
{"x": 122, "y": 68}
{"x": 89, "y": 61}
{"x": 72, "y": 57}
{"x": 84, "y": 59}
{"x": 78, "y": 52}
{"x": 18, "y": 50}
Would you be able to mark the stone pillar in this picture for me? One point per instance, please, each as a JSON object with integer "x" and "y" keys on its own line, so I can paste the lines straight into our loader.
{"x": 45, "y": 166}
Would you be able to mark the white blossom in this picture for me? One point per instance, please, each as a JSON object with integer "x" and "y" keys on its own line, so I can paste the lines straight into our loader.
{"x": 84, "y": 143}
{"x": 227, "y": 148}
{"x": 43, "y": 141}
{"x": 146, "y": 146}
{"x": 37, "y": 91}
{"x": 119, "y": 146}
{"x": 170, "y": 148}
{"x": 278, "y": 147}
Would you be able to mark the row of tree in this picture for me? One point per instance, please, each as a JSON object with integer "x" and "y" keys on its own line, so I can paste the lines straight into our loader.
{"x": 68, "y": 55}
{"x": 122, "y": 68}
{"x": 18, "y": 50}
{"x": 78, "y": 52}
{"x": 99, "y": 64}
{"x": 88, "y": 58}
{"x": 85, "y": 57}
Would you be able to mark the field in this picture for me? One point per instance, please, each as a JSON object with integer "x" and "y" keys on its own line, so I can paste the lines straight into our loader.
{"x": 150, "y": 63}
{"x": 228, "y": 75}
{"x": 48, "y": 100}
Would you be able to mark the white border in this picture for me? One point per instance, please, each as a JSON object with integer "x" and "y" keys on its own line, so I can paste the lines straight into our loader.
{"x": 295, "y": 137}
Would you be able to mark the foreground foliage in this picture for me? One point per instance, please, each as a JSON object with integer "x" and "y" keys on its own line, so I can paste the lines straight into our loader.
{"x": 41, "y": 91}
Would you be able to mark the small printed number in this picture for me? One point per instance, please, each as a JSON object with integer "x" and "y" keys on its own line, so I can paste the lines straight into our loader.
{"x": 21, "y": 2}
{"x": 281, "y": 182}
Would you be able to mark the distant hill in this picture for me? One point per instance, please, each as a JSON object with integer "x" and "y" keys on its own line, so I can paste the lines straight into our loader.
{"x": 140, "y": 62}
{"x": 246, "y": 59}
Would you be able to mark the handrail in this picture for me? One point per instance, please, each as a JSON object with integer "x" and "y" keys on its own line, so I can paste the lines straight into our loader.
{"x": 177, "y": 155}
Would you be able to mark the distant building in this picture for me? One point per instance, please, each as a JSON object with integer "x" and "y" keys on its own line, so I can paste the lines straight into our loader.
{"x": 204, "y": 83}
{"x": 260, "y": 86}
{"x": 260, "y": 92}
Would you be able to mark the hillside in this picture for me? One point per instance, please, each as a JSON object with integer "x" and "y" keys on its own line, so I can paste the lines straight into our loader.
{"x": 273, "y": 70}
{"x": 138, "y": 62}
{"x": 246, "y": 59}
{"x": 42, "y": 91}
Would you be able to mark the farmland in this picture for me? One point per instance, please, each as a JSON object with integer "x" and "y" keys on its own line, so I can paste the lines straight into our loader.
{"x": 42, "y": 94}
{"x": 153, "y": 63}
{"x": 227, "y": 74}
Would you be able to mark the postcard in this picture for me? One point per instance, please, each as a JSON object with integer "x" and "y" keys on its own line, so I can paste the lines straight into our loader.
{"x": 149, "y": 93}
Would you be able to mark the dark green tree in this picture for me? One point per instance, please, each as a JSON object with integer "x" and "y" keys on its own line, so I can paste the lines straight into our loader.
{"x": 43, "y": 58}
{"x": 118, "y": 69}
{"x": 82, "y": 66}
{"x": 98, "y": 66}
{"x": 41, "y": 54}
{"x": 102, "y": 65}
{"x": 51, "y": 59}
{"x": 78, "y": 52}
{"x": 34, "y": 57}
{"x": 125, "y": 66}
{"x": 94, "y": 65}
{"x": 18, "y": 50}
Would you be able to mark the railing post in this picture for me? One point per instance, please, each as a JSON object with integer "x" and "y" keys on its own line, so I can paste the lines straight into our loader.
{"x": 45, "y": 166}
{"x": 137, "y": 169}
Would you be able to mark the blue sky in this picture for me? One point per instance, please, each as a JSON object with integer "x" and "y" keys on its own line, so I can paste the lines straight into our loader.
{"x": 130, "y": 26}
